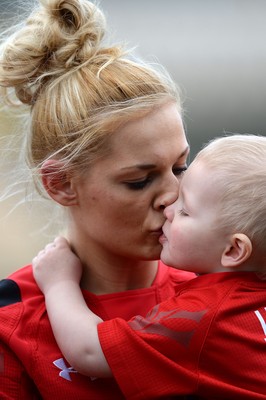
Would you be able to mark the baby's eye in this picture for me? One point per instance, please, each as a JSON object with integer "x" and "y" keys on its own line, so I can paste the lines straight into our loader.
{"x": 182, "y": 212}
{"x": 178, "y": 171}
{"x": 138, "y": 185}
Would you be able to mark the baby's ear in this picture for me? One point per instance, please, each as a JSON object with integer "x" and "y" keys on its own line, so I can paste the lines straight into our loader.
{"x": 237, "y": 251}
{"x": 57, "y": 183}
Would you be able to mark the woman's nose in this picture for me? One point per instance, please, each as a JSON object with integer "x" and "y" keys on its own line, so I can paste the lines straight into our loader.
{"x": 168, "y": 195}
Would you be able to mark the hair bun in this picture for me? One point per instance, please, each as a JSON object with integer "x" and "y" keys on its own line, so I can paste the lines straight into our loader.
{"x": 76, "y": 29}
{"x": 57, "y": 36}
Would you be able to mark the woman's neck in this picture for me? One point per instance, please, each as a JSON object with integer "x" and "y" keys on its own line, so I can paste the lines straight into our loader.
{"x": 105, "y": 272}
{"x": 104, "y": 279}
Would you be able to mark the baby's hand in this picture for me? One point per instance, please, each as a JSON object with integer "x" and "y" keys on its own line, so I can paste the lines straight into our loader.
{"x": 56, "y": 263}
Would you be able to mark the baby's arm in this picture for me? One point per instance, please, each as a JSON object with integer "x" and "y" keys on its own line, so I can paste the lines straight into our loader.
{"x": 57, "y": 271}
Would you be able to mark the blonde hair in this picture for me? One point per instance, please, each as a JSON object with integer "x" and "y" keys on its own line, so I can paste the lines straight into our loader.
{"x": 78, "y": 90}
{"x": 239, "y": 165}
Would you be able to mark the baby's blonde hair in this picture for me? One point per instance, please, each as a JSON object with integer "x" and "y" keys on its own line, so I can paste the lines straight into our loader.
{"x": 239, "y": 165}
{"x": 79, "y": 90}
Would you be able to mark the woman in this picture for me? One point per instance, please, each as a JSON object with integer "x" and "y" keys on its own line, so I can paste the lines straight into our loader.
{"x": 108, "y": 144}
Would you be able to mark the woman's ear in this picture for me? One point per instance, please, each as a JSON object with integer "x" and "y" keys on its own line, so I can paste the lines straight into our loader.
{"x": 57, "y": 183}
{"x": 237, "y": 251}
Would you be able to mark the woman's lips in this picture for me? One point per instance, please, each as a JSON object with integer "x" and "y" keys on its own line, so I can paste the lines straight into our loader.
{"x": 162, "y": 238}
{"x": 157, "y": 232}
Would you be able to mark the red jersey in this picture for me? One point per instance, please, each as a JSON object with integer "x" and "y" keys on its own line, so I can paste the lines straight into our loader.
{"x": 209, "y": 341}
{"x": 31, "y": 364}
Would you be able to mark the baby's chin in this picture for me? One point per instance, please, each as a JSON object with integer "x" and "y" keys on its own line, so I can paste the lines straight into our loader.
{"x": 165, "y": 257}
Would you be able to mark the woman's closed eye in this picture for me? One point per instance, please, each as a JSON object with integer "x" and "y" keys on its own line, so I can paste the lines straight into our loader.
{"x": 139, "y": 184}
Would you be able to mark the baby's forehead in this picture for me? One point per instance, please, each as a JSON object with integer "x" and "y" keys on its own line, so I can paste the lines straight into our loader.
{"x": 196, "y": 168}
{"x": 200, "y": 177}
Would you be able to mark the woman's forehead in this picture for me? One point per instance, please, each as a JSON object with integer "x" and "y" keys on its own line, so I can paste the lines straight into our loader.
{"x": 156, "y": 131}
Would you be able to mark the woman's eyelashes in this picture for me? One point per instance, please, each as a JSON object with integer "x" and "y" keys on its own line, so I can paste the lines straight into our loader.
{"x": 138, "y": 185}
{"x": 142, "y": 183}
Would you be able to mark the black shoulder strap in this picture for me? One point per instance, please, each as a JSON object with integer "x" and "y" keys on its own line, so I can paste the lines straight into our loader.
{"x": 9, "y": 292}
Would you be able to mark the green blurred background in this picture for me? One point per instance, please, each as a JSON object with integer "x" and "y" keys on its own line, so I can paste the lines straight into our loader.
{"x": 216, "y": 52}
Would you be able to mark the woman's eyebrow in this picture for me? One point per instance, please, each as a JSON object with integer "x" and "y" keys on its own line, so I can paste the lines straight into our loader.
{"x": 152, "y": 166}
{"x": 140, "y": 166}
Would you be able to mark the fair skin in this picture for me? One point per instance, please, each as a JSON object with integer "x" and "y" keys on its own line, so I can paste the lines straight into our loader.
{"x": 191, "y": 229}
{"x": 190, "y": 222}
{"x": 116, "y": 208}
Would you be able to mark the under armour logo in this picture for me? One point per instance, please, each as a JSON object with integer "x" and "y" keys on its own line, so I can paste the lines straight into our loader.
{"x": 65, "y": 371}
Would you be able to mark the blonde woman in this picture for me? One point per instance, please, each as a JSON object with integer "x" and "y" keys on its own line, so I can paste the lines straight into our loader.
{"x": 107, "y": 144}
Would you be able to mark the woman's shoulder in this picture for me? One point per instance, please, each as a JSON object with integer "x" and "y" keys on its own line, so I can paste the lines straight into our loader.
{"x": 18, "y": 287}
{"x": 20, "y": 300}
